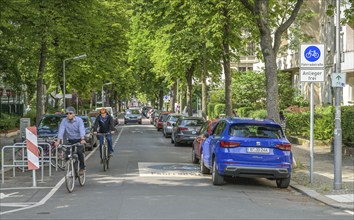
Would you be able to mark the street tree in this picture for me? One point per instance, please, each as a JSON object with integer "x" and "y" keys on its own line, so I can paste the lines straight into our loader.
{"x": 272, "y": 18}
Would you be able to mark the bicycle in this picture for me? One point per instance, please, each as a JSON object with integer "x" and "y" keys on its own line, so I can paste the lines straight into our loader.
{"x": 105, "y": 157}
{"x": 57, "y": 153}
{"x": 72, "y": 168}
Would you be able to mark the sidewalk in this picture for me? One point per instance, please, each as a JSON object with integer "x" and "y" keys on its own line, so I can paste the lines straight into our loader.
{"x": 321, "y": 188}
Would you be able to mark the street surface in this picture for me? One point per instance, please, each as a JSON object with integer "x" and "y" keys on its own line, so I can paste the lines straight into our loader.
{"x": 150, "y": 178}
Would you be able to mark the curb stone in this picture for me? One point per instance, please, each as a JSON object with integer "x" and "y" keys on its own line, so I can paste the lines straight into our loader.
{"x": 321, "y": 198}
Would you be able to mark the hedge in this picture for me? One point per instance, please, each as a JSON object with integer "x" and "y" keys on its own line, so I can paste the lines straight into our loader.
{"x": 219, "y": 109}
{"x": 210, "y": 109}
{"x": 244, "y": 111}
{"x": 347, "y": 118}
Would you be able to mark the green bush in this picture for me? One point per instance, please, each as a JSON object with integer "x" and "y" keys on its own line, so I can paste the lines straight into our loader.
{"x": 347, "y": 118}
{"x": 244, "y": 111}
{"x": 258, "y": 114}
{"x": 210, "y": 109}
{"x": 219, "y": 109}
{"x": 298, "y": 124}
{"x": 9, "y": 122}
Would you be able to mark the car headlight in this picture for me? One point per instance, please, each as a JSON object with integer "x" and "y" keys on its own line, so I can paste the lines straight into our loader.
{"x": 126, "y": 117}
{"x": 139, "y": 117}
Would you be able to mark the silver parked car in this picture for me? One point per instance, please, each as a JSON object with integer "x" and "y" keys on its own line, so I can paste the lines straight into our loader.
{"x": 186, "y": 130}
{"x": 133, "y": 115}
{"x": 168, "y": 123}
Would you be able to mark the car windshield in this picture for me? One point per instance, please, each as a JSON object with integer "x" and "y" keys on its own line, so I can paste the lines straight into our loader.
{"x": 192, "y": 122}
{"x": 258, "y": 131}
{"x": 174, "y": 118}
{"x": 50, "y": 122}
{"x": 86, "y": 122}
{"x": 134, "y": 111}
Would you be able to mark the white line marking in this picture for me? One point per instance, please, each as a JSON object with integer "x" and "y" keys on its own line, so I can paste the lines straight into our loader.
{"x": 116, "y": 141}
{"x": 29, "y": 187}
{"x": 20, "y": 204}
{"x": 51, "y": 193}
{"x": 349, "y": 212}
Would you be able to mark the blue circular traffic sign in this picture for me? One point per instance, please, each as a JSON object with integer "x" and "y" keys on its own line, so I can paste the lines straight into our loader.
{"x": 312, "y": 53}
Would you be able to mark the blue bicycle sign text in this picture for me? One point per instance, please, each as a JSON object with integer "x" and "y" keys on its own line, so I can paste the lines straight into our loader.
{"x": 312, "y": 53}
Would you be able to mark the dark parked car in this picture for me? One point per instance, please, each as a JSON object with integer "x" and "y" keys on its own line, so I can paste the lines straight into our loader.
{"x": 242, "y": 147}
{"x": 202, "y": 134}
{"x": 91, "y": 140}
{"x": 49, "y": 125}
{"x": 186, "y": 130}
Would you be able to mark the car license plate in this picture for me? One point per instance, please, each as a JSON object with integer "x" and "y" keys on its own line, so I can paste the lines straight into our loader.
{"x": 260, "y": 150}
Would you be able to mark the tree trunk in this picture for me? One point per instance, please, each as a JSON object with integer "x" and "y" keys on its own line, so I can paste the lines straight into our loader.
{"x": 173, "y": 96}
{"x": 161, "y": 99}
{"x": 226, "y": 63}
{"x": 189, "y": 75}
{"x": 204, "y": 97}
{"x": 41, "y": 69}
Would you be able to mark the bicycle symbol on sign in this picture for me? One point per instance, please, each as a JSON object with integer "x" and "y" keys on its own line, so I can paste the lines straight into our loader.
{"x": 312, "y": 53}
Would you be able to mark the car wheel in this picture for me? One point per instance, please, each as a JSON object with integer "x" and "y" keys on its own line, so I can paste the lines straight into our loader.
{"x": 125, "y": 122}
{"x": 216, "y": 177}
{"x": 203, "y": 168}
{"x": 194, "y": 158}
{"x": 176, "y": 143}
{"x": 283, "y": 182}
{"x": 158, "y": 129}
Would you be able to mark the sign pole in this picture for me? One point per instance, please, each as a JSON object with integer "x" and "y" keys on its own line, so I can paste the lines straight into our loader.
{"x": 337, "y": 124}
{"x": 312, "y": 65}
{"x": 311, "y": 133}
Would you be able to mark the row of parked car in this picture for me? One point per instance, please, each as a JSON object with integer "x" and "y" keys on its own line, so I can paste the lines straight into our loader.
{"x": 232, "y": 146}
{"x": 49, "y": 126}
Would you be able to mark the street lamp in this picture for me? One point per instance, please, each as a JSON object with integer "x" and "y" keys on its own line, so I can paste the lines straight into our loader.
{"x": 74, "y": 58}
{"x": 109, "y": 83}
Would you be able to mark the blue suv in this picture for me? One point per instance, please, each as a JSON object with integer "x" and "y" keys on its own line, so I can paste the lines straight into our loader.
{"x": 242, "y": 147}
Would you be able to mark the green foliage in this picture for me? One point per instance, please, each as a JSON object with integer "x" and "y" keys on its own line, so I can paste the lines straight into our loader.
{"x": 298, "y": 124}
{"x": 217, "y": 96}
{"x": 248, "y": 89}
{"x": 347, "y": 125}
{"x": 300, "y": 101}
{"x": 286, "y": 90}
{"x": 258, "y": 114}
{"x": 244, "y": 111}
{"x": 219, "y": 109}
{"x": 8, "y": 122}
{"x": 210, "y": 110}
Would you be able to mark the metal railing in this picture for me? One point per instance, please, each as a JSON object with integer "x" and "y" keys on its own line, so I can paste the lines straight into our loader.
{"x": 21, "y": 163}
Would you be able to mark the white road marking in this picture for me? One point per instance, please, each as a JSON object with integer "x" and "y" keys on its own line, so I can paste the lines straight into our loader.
{"x": 29, "y": 187}
{"x": 51, "y": 193}
{"x": 349, "y": 212}
{"x": 23, "y": 204}
{"x": 3, "y": 195}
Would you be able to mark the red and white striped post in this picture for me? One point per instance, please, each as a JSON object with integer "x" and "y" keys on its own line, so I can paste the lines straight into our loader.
{"x": 32, "y": 152}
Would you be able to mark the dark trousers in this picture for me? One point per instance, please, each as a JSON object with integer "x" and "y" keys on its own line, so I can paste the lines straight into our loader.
{"x": 80, "y": 148}
{"x": 109, "y": 143}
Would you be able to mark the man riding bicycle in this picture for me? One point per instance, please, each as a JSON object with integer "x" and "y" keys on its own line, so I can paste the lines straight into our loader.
{"x": 74, "y": 128}
{"x": 104, "y": 124}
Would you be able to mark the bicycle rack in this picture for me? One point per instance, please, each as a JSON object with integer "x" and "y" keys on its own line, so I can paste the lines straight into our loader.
{"x": 17, "y": 163}
{"x": 46, "y": 159}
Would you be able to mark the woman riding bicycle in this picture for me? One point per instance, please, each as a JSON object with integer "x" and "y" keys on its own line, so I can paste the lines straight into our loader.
{"x": 104, "y": 124}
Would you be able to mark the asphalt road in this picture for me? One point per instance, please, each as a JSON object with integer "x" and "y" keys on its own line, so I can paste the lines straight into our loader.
{"x": 149, "y": 178}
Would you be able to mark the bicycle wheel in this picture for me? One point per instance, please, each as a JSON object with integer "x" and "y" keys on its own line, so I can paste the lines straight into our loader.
{"x": 82, "y": 178}
{"x": 61, "y": 159}
{"x": 69, "y": 176}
